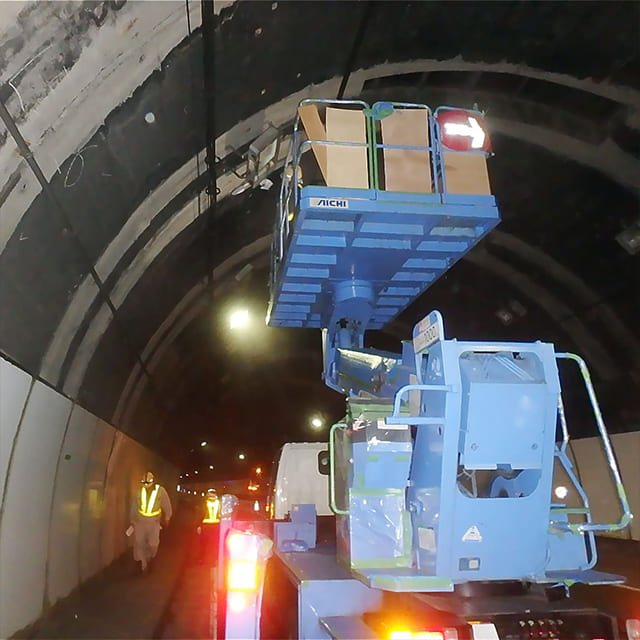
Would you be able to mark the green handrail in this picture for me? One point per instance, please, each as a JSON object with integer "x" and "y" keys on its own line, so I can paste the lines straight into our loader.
{"x": 626, "y": 517}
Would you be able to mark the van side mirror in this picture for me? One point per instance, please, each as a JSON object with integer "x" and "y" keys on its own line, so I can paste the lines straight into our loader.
{"x": 323, "y": 463}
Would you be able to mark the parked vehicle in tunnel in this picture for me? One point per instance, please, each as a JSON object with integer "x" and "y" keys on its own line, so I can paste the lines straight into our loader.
{"x": 441, "y": 475}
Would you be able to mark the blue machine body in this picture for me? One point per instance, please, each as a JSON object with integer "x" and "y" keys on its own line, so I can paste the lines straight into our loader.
{"x": 443, "y": 468}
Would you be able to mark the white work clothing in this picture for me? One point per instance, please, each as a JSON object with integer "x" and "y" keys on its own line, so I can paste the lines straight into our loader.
{"x": 151, "y": 507}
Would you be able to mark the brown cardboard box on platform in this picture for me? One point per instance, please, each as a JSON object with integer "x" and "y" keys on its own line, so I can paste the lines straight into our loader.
{"x": 466, "y": 173}
{"x": 407, "y": 170}
{"x": 341, "y": 166}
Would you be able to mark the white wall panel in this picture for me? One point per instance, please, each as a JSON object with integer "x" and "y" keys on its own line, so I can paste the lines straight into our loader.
{"x": 117, "y": 498}
{"x": 92, "y": 511}
{"x": 24, "y": 526}
{"x": 63, "y": 570}
{"x": 14, "y": 387}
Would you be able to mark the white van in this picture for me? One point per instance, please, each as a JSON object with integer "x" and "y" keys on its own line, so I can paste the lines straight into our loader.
{"x": 301, "y": 476}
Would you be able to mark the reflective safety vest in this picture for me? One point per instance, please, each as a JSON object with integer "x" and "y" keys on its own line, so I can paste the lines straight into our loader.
{"x": 213, "y": 506}
{"x": 146, "y": 507}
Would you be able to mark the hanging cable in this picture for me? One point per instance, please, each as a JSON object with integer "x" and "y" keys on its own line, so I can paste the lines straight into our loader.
{"x": 193, "y": 102}
{"x": 355, "y": 47}
{"x": 208, "y": 67}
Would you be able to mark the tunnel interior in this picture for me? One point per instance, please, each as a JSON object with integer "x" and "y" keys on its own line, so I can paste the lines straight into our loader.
{"x": 131, "y": 225}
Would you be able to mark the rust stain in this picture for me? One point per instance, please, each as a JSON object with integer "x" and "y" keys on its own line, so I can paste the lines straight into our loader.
{"x": 130, "y": 25}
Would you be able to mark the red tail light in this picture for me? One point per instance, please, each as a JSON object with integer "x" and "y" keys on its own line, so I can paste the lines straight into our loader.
{"x": 462, "y": 130}
{"x": 242, "y": 550}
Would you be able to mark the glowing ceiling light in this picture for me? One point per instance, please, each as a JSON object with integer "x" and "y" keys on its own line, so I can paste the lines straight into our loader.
{"x": 210, "y": 466}
{"x": 203, "y": 443}
{"x": 241, "y": 456}
{"x": 316, "y": 422}
{"x": 239, "y": 319}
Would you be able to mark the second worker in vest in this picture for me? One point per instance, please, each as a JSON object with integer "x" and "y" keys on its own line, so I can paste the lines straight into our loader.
{"x": 208, "y": 530}
{"x": 149, "y": 512}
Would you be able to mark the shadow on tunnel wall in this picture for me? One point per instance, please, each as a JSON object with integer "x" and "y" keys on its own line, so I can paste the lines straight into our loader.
{"x": 66, "y": 481}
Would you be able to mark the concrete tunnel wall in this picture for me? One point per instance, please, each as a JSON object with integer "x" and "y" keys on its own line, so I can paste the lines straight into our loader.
{"x": 66, "y": 482}
{"x": 66, "y": 476}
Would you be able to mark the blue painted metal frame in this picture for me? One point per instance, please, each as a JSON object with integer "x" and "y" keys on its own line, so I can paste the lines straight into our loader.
{"x": 399, "y": 243}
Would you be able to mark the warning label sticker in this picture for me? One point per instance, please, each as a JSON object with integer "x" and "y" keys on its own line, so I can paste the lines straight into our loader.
{"x": 472, "y": 535}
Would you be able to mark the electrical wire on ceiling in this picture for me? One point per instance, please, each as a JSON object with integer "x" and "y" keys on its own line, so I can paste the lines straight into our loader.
{"x": 355, "y": 47}
{"x": 193, "y": 102}
{"x": 208, "y": 68}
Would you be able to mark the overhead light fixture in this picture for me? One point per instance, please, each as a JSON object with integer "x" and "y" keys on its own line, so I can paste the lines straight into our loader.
{"x": 244, "y": 272}
{"x": 260, "y": 160}
{"x": 239, "y": 318}
{"x": 241, "y": 188}
{"x": 263, "y": 150}
{"x": 203, "y": 443}
{"x": 629, "y": 239}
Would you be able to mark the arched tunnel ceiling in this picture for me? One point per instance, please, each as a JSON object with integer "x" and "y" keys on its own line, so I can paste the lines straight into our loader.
{"x": 116, "y": 100}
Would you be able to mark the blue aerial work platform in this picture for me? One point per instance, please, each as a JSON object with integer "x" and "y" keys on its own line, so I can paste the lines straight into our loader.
{"x": 383, "y": 211}
{"x": 448, "y": 458}
{"x": 442, "y": 474}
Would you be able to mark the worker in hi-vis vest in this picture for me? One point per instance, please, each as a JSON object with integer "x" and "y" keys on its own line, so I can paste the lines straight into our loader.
{"x": 208, "y": 531}
{"x": 150, "y": 510}
{"x": 212, "y": 505}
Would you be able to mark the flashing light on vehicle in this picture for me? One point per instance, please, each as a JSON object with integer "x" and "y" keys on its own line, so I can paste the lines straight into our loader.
{"x": 463, "y": 130}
